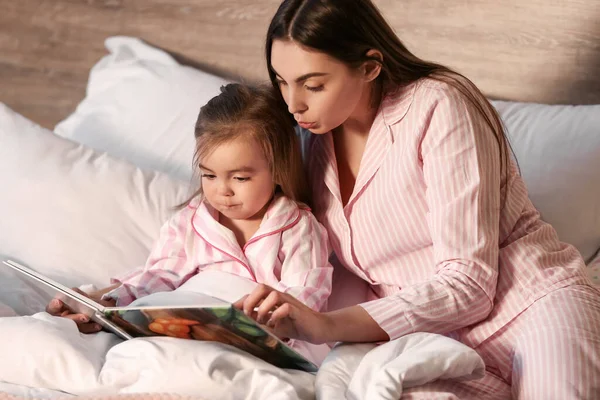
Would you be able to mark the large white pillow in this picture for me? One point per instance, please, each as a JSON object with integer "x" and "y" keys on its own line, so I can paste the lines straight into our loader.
{"x": 74, "y": 214}
{"x": 558, "y": 150}
{"x": 141, "y": 105}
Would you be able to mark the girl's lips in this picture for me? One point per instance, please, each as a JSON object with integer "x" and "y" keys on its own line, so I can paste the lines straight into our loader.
{"x": 306, "y": 125}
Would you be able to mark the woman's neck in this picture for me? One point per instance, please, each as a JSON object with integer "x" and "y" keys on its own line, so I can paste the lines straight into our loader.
{"x": 360, "y": 121}
{"x": 350, "y": 141}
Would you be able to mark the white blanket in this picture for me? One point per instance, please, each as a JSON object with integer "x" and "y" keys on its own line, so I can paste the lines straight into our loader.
{"x": 48, "y": 352}
{"x": 370, "y": 372}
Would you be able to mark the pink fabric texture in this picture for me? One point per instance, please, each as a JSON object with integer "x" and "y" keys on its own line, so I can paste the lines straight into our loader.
{"x": 288, "y": 252}
{"x": 448, "y": 240}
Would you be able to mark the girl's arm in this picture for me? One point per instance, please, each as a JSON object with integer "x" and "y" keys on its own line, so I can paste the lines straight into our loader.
{"x": 58, "y": 308}
{"x": 166, "y": 268}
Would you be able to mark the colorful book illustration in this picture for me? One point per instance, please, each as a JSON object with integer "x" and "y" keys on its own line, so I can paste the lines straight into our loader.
{"x": 180, "y": 314}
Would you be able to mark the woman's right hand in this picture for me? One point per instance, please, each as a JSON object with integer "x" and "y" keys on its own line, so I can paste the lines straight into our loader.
{"x": 288, "y": 317}
{"x": 57, "y": 308}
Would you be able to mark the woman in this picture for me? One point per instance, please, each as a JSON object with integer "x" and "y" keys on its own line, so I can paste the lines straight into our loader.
{"x": 412, "y": 178}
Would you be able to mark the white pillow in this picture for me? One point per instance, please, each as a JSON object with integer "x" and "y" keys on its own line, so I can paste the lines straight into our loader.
{"x": 74, "y": 214}
{"x": 558, "y": 150}
{"x": 141, "y": 105}
{"x": 593, "y": 270}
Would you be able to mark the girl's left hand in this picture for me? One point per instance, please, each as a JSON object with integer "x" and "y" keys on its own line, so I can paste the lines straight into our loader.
{"x": 285, "y": 315}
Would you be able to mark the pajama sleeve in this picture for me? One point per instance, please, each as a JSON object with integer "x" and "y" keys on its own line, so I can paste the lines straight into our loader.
{"x": 461, "y": 169}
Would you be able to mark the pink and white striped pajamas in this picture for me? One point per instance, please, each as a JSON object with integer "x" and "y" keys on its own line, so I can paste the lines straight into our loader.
{"x": 451, "y": 244}
{"x": 288, "y": 252}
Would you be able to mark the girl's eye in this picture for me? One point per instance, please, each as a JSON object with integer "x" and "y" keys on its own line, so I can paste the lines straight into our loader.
{"x": 208, "y": 176}
{"x": 314, "y": 88}
{"x": 241, "y": 179}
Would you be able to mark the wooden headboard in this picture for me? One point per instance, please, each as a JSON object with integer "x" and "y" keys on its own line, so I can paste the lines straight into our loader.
{"x": 528, "y": 50}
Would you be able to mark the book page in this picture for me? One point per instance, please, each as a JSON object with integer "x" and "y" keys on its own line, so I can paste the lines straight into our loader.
{"x": 226, "y": 325}
{"x": 177, "y": 298}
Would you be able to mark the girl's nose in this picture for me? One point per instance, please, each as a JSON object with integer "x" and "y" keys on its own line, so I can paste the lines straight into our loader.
{"x": 225, "y": 190}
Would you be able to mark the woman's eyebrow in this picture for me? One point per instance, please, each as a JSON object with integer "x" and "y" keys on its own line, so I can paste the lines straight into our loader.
{"x": 305, "y": 76}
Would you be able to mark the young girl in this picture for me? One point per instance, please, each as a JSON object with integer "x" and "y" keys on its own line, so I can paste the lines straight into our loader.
{"x": 249, "y": 218}
{"x": 411, "y": 176}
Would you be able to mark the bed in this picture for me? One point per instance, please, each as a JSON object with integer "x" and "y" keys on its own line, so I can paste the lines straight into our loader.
{"x": 98, "y": 103}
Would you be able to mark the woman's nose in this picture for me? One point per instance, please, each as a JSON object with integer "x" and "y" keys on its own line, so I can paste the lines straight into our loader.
{"x": 296, "y": 104}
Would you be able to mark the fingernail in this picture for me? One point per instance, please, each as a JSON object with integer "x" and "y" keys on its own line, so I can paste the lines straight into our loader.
{"x": 54, "y": 303}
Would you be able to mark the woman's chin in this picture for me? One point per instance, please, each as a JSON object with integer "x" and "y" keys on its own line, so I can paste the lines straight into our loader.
{"x": 318, "y": 130}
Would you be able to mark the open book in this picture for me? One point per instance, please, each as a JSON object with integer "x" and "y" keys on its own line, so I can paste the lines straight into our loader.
{"x": 180, "y": 314}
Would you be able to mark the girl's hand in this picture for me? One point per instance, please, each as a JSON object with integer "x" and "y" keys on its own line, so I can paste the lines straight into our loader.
{"x": 285, "y": 315}
{"x": 84, "y": 324}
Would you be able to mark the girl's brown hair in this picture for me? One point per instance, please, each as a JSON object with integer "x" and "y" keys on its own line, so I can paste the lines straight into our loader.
{"x": 348, "y": 29}
{"x": 253, "y": 112}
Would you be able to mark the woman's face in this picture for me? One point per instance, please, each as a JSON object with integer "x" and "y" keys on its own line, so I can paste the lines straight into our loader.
{"x": 321, "y": 92}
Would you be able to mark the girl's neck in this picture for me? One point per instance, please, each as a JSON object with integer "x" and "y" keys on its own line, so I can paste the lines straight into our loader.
{"x": 244, "y": 229}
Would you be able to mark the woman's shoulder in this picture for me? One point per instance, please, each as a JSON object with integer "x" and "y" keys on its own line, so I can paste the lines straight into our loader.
{"x": 428, "y": 94}
{"x": 430, "y": 90}
{"x": 453, "y": 88}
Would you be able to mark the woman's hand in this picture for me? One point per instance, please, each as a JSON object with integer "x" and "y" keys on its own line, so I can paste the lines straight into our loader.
{"x": 84, "y": 324}
{"x": 285, "y": 315}
{"x": 290, "y": 318}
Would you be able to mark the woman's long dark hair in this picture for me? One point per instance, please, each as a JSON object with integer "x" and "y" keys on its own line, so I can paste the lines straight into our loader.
{"x": 348, "y": 29}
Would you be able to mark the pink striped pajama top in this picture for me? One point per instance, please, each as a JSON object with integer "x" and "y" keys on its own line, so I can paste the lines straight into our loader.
{"x": 425, "y": 225}
{"x": 288, "y": 252}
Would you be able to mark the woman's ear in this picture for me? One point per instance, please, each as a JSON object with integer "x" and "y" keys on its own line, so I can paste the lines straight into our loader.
{"x": 372, "y": 67}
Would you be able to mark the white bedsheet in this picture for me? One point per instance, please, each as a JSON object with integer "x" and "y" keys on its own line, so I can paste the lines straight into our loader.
{"x": 49, "y": 353}
{"x": 31, "y": 393}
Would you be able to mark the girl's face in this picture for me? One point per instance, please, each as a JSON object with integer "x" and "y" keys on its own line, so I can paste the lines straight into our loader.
{"x": 321, "y": 92}
{"x": 237, "y": 180}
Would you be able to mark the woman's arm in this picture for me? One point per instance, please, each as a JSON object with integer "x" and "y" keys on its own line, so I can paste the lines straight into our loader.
{"x": 461, "y": 170}
{"x": 306, "y": 272}
{"x": 289, "y": 317}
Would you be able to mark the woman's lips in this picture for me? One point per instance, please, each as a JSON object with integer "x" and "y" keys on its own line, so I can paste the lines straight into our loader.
{"x": 306, "y": 125}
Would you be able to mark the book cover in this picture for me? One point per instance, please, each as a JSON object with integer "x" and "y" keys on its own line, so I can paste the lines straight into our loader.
{"x": 224, "y": 324}
{"x": 179, "y": 314}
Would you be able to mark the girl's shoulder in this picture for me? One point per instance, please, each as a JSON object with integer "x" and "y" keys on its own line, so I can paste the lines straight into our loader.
{"x": 187, "y": 212}
{"x": 194, "y": 203}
